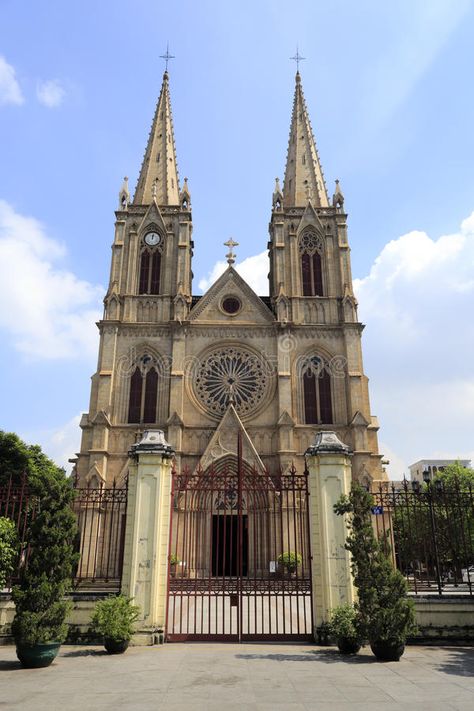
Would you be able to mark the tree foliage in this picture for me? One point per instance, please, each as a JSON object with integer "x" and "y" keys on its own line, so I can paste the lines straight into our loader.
{"x": 38, "y": 597}
{"x": 385, "y": 613}
{"x": 441, "y": 512}
{"x": 8, "y": 549}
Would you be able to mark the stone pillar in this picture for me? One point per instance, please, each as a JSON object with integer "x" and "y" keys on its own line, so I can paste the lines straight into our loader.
{"x": 330, "y": 475}
{"x": 145, "y": 567}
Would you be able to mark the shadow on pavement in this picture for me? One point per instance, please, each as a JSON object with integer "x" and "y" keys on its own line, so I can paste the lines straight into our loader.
{"x": 86, "y": 653}
{"x": 10, "y": 665}
{"x": 460, "y": 661}
{"x": 327, "y": 656}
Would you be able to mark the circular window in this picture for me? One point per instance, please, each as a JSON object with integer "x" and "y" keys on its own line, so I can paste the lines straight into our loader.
{"x": 231, "y": 375}
{"x": 231, "y": 305}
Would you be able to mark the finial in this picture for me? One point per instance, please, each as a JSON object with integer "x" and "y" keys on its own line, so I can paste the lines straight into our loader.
{"x": 167, "y": 56}
{"x": 230, "y": 256}
{"x": 297, "y": 58}
{"x": 338, "y": 198}
{"x": 124, "y": 195}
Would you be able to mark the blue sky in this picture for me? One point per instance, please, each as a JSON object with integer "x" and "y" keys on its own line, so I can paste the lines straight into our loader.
{"x": 389, "y": 90}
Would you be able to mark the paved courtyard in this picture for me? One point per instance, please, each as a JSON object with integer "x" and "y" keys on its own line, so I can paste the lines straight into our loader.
{"x": 248, "y": 677}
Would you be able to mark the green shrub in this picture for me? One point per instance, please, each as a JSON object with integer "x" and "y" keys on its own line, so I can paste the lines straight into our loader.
{"x": 8, "y": 549}
{"x": 290, "y": 560}
{"x": 344, "y": 623}
{"x": 114, "y": 618}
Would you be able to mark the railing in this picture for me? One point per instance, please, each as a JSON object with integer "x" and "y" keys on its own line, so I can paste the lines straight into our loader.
{"x": 429, "y": 530}
{"x": 101, "y": 517}
{"x": 101, "y": 514}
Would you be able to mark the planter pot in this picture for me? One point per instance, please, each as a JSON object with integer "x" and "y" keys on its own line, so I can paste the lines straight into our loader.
{"x": 386, "y": 651}
{"x": 114, "y": 646}
{"x": 348, "y": 646}
{"x": 38, "y": 655}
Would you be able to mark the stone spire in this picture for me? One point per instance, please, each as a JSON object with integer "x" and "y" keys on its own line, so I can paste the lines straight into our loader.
{"x": 304, "y": 179}
{"x": 159, "y": 173}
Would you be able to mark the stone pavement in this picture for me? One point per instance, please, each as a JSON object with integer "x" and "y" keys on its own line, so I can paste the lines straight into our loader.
{"x": 247, "y": 677}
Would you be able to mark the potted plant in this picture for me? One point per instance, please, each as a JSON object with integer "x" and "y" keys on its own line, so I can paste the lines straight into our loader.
{"x": 174, "y": 561}
{"x": 40, "y": 608}
{"x": 344, "y": 626}
{"x": 386, "y": 615}
{"x": 290, "y": 561}
{"x": 114, "y": 619}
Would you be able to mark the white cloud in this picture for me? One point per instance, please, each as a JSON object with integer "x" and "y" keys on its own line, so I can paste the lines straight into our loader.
{"x": 45, "y": 310}
{"x": 253, "y": 269}
{"x": 60, "y": 444}
{"x": 10, "y": 92}
{"x": 50, "y": 93}
{"x": 417, "y": 302}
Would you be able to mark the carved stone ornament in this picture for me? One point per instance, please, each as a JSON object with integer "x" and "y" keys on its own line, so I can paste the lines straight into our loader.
{"x": 310, "y": 242}
{"x": 234, "y": 375}
{"x": 327, "y": 442}
{"x": 152, "y": 442}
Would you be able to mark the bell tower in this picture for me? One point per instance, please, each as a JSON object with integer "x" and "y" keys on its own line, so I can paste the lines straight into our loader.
{"x": 149, "y": 293}
{"x": 314, "y": 303}
{"x": 152, "y": 250}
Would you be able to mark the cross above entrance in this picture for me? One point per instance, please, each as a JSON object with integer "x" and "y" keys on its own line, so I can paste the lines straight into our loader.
{"x": 230, "y": 256}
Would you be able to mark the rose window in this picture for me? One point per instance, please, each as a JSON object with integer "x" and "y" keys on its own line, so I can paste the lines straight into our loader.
{"x": 231, "y": 375}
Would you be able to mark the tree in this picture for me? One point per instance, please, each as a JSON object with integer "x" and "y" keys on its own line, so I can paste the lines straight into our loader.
{"x": 50, "y": 534}
{"x": 8, "y": 549}
{"x": 18, "y": 458}
{"x": 385, "y": 613}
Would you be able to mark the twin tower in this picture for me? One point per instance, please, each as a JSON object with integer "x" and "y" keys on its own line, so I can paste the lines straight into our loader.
{"x": 203, "y": 369}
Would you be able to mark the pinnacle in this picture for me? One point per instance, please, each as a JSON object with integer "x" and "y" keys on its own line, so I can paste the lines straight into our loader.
{"x": 303, "y": 175}
{"x": 159, "y": 172}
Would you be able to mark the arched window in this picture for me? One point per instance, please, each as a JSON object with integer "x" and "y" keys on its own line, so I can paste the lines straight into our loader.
{"x": 317, "y": 398}
{"x": 150, "y": 272}
{"x": 311, "y": 264}
{"x": 143, "y": 395}
{"x": 135, "y": 401}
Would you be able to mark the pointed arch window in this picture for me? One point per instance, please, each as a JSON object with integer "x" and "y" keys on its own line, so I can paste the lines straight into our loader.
{"x": 317, "y": 393}
{"x": 311, "y": 249}
{"x": 143, "y": 399}
{"x": 149, "y": 281}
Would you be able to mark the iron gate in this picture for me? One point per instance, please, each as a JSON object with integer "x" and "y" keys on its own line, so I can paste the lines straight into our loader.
{"x": 240, "y": 559}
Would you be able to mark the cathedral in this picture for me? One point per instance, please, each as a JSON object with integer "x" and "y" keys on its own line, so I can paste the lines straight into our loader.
{"x": 208, "y": 370}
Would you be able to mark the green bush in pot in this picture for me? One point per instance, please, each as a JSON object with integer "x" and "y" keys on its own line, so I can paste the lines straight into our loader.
{"x": 386, "y": 615}
{"x": 344, "y": 626}
{"x": 114, "y": 619}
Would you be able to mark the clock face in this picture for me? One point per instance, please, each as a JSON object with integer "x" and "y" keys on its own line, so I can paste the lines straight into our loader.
{"x": 152, "y": 239}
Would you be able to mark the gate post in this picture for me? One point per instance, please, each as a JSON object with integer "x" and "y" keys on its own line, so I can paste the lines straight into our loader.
{"x": 145, "y": 565}
{"x": 330, "y": 475}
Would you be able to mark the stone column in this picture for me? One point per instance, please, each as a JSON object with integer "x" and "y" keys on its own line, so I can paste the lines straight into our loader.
{"x": 330, "y": 475}
{"x": 145, "y": 567}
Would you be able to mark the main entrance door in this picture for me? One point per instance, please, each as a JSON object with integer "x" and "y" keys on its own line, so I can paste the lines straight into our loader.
{"x": 239, "y": 564}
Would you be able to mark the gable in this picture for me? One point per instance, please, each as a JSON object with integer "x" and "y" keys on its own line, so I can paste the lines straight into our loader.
{"x": 211, "y": 308}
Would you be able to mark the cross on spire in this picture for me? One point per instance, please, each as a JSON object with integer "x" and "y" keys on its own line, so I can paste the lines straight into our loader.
{"x": 167, "y": 56}
{"x": 297, "y": 58}
{"x": 230, "y": 256}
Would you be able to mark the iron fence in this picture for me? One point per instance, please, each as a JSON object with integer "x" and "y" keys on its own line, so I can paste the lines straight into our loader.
{"x": 100, "y": 514}
{"x": 429, "y": 531}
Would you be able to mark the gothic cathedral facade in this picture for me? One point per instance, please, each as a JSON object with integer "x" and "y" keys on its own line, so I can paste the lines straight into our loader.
{"x": 275, "y": 368}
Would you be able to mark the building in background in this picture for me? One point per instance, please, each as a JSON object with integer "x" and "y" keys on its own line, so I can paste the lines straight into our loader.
{"x": 426, "y": 469}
